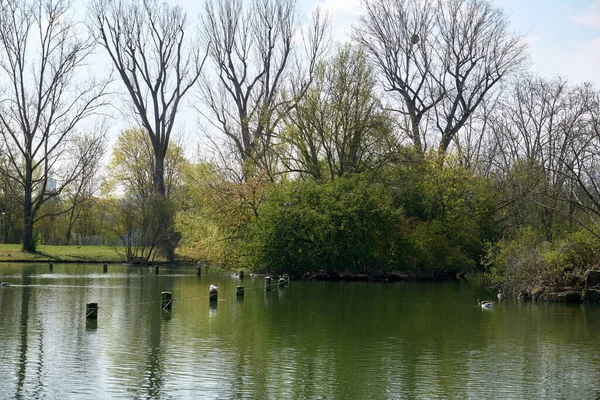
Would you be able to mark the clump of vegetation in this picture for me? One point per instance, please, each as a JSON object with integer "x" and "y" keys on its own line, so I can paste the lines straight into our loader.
{"x": 348, "y": 225}
{"x": 528, "y": 261}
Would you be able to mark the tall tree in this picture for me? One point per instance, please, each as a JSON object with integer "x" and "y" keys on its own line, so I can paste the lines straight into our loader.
{"x": 440, "y": 59}
{"x": 259, "y": 72}
{"x": 80, "y": 193}
{"x": 145, "y": 219}
{"x": 340, "y": 126}
{"x": 42, "y": 52}
{"x": 157, "y": 63}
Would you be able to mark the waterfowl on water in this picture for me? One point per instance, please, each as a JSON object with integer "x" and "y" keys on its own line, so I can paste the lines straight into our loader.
{"x": 485, "y": 303}
{"x": 213, "y": 289}
{"x": 500, "y": 294}
{"x": 5, "y": 284}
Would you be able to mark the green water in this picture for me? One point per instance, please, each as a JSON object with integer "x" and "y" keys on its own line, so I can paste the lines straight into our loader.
{"x": 311, "y": 340}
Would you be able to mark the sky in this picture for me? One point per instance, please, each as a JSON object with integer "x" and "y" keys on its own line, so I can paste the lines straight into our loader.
{"x": 563, "y": 35}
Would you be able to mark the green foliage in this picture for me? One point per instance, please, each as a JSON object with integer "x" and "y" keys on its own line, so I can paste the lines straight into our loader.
{"x": 337, "y": 226}
{"x": 349, "y": 225}
{"x": 528, "y": 260}
{"x": 456, "y": 207}
{"x": 131, "y": 168}
{"x": 340, "y": 126}
{"x": 215, "y": 214}
{"x": 145, "y": 220}
{"x": 423, "y": 248}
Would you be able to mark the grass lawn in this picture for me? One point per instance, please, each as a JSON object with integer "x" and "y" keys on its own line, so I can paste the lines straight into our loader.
{"x": 12, "y": 252}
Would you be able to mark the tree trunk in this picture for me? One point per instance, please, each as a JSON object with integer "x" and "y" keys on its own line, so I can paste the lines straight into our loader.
{"x": 416, "y": 133}
{"x": 159, "y": 170}
{"x": 28, "y": 244}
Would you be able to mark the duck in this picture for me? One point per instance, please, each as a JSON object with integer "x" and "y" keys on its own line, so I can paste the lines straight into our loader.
{"x": 500, "y": 294}
{"x": 5, "y": 284}
{"x": 486, "y": 304}
{"x": 213, "y": 289}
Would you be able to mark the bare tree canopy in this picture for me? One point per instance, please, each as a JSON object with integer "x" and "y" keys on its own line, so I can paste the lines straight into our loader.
{"x": 261, "y": 70}
{"x": 157, "y": 62}
{"x": 41, "y": 55}
{"x": 440, "y": 59}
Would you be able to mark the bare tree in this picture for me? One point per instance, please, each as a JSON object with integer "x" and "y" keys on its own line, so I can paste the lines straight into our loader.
{"x": 400, "y": 38}
{"x": 41, "y": 54}
{"x": 156, "y": 61}
{"x": 80, "y": 193}
{"x": 578, "y": 158}
{"x": 442, "y": 59}
{"x": 479, "y": 52}
{"x": 258, "y": 75}
{"x": 538, "y": 129}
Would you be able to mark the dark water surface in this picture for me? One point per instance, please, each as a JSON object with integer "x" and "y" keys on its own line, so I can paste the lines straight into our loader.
{"x": 311, "y": 340}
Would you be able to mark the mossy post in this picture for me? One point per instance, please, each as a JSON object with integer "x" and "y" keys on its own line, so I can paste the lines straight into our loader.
{"x": 50, "y": 267}
{"x": 239, "y": 291}
{"x": 166, "y": 300}
{"x": 241, "y": 275}
{"x": 91, "y": 311}
{"x": 105, "y": 268}
{"x": 156, "y": 269}
{"x": 267, "y": 283}
{"x": 199, "y": 271}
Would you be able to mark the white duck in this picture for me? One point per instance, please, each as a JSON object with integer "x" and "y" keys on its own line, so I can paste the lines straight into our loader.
{"x": 213, "y": 289}
{"x": 485, "y": 304}
{"x": 500, "y": 295}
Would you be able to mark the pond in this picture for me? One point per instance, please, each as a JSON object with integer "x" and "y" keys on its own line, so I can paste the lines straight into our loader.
{"x": 309, "y": 340}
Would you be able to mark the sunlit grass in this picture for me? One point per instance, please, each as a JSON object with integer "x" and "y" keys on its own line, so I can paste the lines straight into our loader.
{"x": 12, "y": 252}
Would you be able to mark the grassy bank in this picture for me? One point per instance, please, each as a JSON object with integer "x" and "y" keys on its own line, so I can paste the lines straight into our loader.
{"x": 12, "y": 252}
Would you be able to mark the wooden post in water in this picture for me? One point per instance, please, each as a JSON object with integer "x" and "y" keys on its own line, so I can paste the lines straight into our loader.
{"x": 91, "y": 311}
{"x": 105, "y": 268}
{"x": 213, "y": 293}
{"x": 287, "y": 279}
{"x": 156, "y": 269}
{"x": 239, "y": 291}
{"x": 281, "y": 281}
{"x": 199, "y": 271}
{"x": 241, "y": 275}
{"x": 50, "y": 267}
{"x": 166, "y": 300}
{"x": 267, "y": 283}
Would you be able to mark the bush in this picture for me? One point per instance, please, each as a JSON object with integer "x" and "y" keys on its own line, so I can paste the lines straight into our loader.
{"x": 528, "y": 261}
{"x": 337, "y": 226}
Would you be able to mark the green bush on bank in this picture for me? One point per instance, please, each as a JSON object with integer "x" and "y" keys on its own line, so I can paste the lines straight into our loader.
{"x": 347, "y": 225}
{"x": 337, "y": 226}
{"x": 529, "y": 261}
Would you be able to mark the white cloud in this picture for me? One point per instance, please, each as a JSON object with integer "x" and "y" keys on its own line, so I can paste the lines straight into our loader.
{"x": 591, "y": 17}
